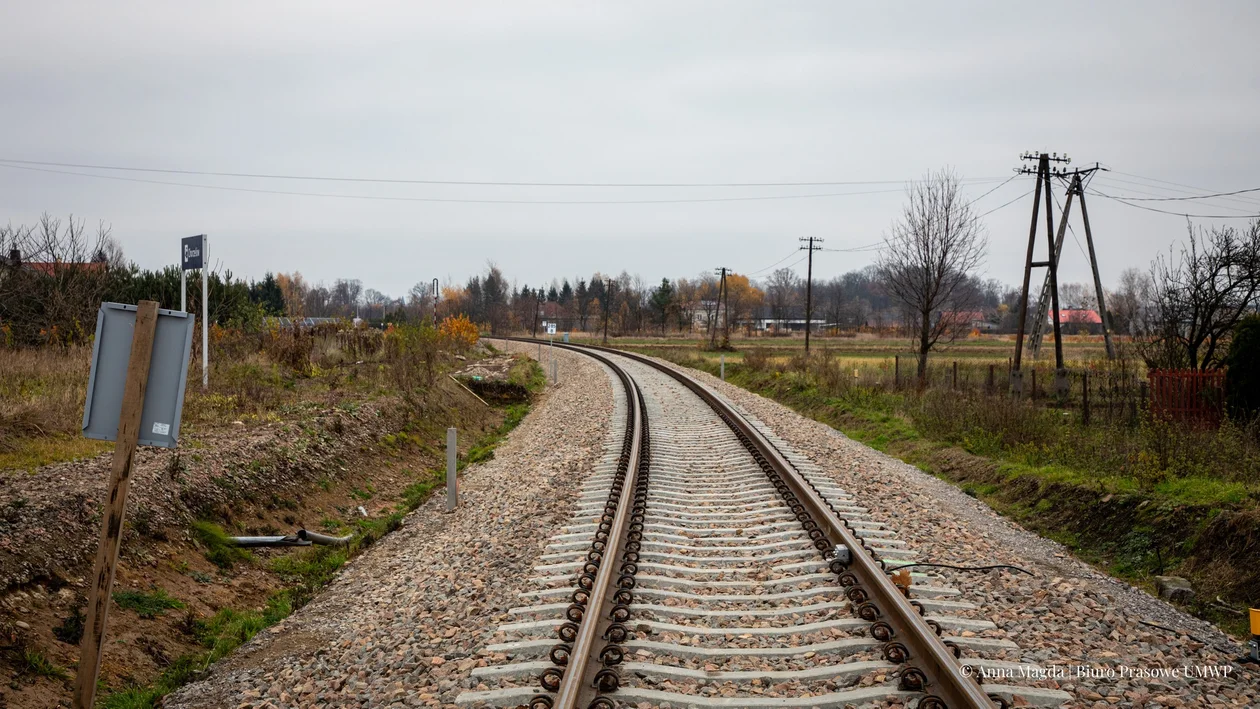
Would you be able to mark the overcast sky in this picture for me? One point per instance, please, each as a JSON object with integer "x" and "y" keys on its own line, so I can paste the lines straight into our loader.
{"x": 639, "y": 92}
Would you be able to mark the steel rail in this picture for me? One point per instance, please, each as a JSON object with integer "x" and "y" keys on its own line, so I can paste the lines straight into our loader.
{"x": 582, "y": 679}
{"x": 928, "y": 665}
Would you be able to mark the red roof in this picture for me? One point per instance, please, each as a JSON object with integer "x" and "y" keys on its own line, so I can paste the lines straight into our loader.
{"x": 49, "y": 268}
{"x": 1087, "y": 317}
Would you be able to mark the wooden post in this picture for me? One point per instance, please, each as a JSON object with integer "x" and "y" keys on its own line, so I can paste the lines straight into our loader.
{"x": 990, "y": 387}
{"x": 954, "y": 381}
{"x": 1085, "y": 398}
{"x": 896, "y": 371}
{"x": 115, "y": 505}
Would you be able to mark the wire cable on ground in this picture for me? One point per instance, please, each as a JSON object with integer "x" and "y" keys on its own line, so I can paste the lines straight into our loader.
{"x": 966, "y": 568}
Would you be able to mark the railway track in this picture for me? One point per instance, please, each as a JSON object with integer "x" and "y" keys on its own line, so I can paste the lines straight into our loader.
{"x": 707, "y": 564}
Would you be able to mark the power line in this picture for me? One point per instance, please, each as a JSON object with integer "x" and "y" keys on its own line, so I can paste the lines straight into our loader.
{"x": 1109, "y": 180}
{"x": 1166, "y": 182}
{"x": 995, "y": 189}
{"x": 480, "y": 183}
{"x": 776, "y": 263}
{"x": 1178, "y": 214}
{"x": 1007, "y": 204}
{"x": 1200, "y": 196}
{"x": 446, "y": 199}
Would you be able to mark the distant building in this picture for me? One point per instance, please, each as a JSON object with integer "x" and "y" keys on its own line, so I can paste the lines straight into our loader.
{"x": 976, "y": 320}
{"x": 1077, "y": 319}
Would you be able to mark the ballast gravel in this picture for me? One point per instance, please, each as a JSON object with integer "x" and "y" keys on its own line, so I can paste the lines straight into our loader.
{"x": 1067, "y": 618}
{"x": 404, "y": 624}
{"x": 401, "y": 625}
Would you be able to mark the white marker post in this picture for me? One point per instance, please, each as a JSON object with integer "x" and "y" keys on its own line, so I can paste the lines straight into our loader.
{"x": 551, "y": 347}
{"x": 722, "y": 365}
{"x": 452, "y": 491}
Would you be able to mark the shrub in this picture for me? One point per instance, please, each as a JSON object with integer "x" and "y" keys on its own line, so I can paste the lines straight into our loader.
{"x": 757, "y": 359}
{"x": 458, "y": 332}
{"x": 1242, "y": 379}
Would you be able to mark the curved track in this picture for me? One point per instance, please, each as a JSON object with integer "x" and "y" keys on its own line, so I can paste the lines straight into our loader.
{"x": 709, "y": 565}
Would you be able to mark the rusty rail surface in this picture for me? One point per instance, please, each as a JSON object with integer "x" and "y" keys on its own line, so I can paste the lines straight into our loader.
{"x": 928, "y": 664}
{"x": 601, "y": 601}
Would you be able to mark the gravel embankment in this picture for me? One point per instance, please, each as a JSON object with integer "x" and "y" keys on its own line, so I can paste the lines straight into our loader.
{"x": 50, "y": 520}
{"x": 1069, "y": 617}
{"x": 402, "y": 624}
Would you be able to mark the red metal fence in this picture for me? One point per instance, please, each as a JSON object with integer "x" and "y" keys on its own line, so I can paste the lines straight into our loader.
{"x": 1188, "y": 395}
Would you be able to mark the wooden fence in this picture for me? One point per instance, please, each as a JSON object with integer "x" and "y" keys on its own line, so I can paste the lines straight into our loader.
{"x": 1188, "y": 395}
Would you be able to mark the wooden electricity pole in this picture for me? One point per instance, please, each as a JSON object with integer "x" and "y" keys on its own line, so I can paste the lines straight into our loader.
{"x": 1076, "y": 189}
{"x": 93, "y": 641}
{"x": 1043, "y": 173}
{"x": 607, "y": 305}
{"x": 725, "y": 310}
{"x": 809, "y": 282}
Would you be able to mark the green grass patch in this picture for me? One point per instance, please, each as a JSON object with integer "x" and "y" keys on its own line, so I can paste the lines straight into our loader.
{"x": 147, "y": 605}
{"x": 217, "y": 545}
{"x": 36, "y": 662}
{"x": 31, "y": 453}
{"x": 527, "y": 373}
{"x": 305, "y": 572}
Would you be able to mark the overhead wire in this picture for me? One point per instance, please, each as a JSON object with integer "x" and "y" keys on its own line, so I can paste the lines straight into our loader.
{"x": 757, "y": 198}
{"x": 1174, "y": 184}
{"x": 1121, "y": 200}
{"x": 1005, "y": 204}
{"x": 1126, "y": 186}
{"x": 776, "y": 263}
{"x": 481, "y": 183}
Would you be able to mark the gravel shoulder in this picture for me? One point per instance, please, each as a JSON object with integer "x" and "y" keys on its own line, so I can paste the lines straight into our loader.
{"x": 402, "y": 624}
{"x": 1069, "y": 615}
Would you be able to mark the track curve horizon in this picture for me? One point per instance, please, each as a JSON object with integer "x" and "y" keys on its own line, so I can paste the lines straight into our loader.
{"x": 701, "y": 569}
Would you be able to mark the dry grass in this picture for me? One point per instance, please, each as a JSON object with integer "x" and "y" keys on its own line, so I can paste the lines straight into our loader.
{"x": 267, "y": 375}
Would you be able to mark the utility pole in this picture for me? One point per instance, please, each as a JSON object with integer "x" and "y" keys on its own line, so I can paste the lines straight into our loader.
{"x": 1094, "y": 262}
{"x": 809, "y": 282}
{"x": 607, "y": 306}
{"x": 724, "y": 310}
{"x": 1043, "y": 172}
{"x": 1076, "y": 189}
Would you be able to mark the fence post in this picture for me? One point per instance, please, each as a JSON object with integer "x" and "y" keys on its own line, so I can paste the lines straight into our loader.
{"x": 1085, "y": 397}
{"x": 990, "y": 385}
{"x": 954, "y": 382}
{"x": 896, "y": 371}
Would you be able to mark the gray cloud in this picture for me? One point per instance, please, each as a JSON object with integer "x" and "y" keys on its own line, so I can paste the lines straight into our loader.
{"x": 721, "y": 91}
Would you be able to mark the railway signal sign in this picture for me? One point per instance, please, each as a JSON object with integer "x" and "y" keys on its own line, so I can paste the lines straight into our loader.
{"x": 135, "y": 395}
{"x": 192, "y": 256}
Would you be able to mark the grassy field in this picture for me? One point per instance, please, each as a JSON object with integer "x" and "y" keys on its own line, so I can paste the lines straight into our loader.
{"x": 1138, "y": 497}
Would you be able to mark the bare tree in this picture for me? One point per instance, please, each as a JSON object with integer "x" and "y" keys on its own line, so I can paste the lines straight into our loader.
{"x": 782, "y": 291}
{"x": 1197, "y": 300}
{"x": 927, "y": 257}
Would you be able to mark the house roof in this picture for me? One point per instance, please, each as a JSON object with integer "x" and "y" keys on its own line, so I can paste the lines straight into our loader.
{"x": 1087, "y": 317}
{"x": 49, "y": 268}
